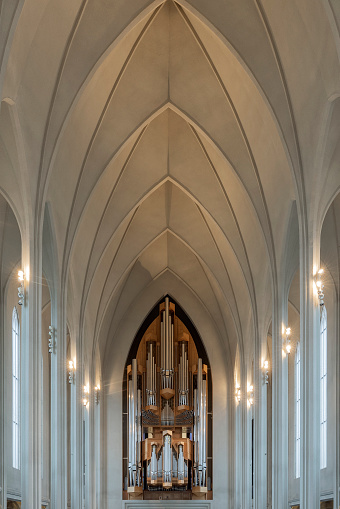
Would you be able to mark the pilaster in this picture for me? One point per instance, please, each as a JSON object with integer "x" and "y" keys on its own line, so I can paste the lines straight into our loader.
{"x": 310, "y": 379}
{"x": 58, "y": 406}
{"x": 31, "y": 376}
{"x": 279, "y": 478}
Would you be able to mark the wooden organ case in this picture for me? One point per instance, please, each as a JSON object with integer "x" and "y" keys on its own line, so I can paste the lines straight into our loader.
{"x": 167, "y": 414}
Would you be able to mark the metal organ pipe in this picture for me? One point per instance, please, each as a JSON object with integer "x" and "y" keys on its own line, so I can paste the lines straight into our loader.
{"x": 135, "y": 429}
{"x": 200, "y": 397}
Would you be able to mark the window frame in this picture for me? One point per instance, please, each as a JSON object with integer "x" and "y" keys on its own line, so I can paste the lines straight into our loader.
{"x": 15, "y": 390}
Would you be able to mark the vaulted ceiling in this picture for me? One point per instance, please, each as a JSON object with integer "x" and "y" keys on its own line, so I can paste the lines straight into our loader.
{"x": 170, "y": 139}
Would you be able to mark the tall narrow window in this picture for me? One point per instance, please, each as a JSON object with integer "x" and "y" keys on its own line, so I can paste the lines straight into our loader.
{"x": 297, "y": 410}
{"x": 15, "y": 389}
{"x": 323, "y": 388}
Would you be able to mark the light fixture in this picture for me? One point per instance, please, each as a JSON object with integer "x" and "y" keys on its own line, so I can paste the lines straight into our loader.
{"x": 250, "y": 395}
{"x": 50, "y": 339}
{"x": 21, "y": 288}
{"x": 265, "y": 369}
{"x": 238, "y": 393}
{"x": 71, "y": 372}
{"x": 288, "y": 345}
{"x": 319, "y": 285}
{"x": 86, "y": 395}
{"x": 97, "y": 394}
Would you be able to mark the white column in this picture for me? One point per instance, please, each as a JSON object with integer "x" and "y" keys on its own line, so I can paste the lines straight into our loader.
{"x": 76, "y": 435}
{"x": 260, "y": 425}
{"x": 58, "y": 405}
{"x": 310, "y": 379}
{"x": 31, "y": 376}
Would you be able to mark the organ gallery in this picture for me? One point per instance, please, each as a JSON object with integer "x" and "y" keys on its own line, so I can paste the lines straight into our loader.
{"x": 167, "y": 425}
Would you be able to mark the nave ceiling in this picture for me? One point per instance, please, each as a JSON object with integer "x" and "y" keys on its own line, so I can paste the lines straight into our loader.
{"x": 170, "y": 140}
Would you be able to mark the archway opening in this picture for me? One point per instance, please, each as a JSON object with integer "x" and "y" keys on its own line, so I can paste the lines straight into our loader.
{"x": 167, "y": 410}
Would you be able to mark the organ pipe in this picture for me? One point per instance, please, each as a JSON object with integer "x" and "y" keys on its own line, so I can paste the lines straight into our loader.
{"x": 153, "y": 407}
{"x": 135, "y": 431}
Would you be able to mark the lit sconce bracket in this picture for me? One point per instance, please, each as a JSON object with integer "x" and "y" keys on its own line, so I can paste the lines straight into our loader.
{"x": 250, "y": 395}
{"x": 97, "y": 394}
{"x": 21, "y": 288}
{"x": 288, "y": 345}
{"x": 266, "y": 372}
{"x": 50, "y": 339}
{"x": 71, "y": 372}
{"x": 86, "y": 395}
{"x": 238, "y": 393}
{"x": 319, "y": 286}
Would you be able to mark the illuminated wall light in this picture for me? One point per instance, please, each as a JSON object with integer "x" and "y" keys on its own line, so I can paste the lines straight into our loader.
{"x": 97, "y": 394}
{"x": 50, "y": 339}
{"x": 265, "y": 369}
{"x": 288, "y": 345}
{"x": 71, "y": 372}
{"x": 319, "y": 286}
{"x": 238, "y": 393}
{"x": 250, "y": 395}
{"x": 21, "y": 288}
{"x": 86, "y": 397}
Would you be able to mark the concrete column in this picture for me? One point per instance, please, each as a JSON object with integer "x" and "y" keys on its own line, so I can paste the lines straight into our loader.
{"x": 260, "y": 423}
{"x": 310, "y": 379}
{"x": 76, "y": 437}
{"x": 59, "y": 380}
{"x": 31, "y": 376}
{"x": 3, "y": 454}
{"x": 279, "y": 476}
{"x": 94, "y": 446}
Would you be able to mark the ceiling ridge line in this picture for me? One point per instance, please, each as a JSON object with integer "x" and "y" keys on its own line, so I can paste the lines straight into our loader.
{"x": 75, "y": 25}
{"x": 242, "y": 131}
{"x": 96, "y": 130}
{"x": 192, "y": 291}
{"x": 220, "y": 310}
{"x": 130, "y": 266}
{"x": 126, "y": 162}
{"x": 82, "y": 324}
{"x": 225, "y": 268}
{"x": 94, "y": 69}
{"x": 185, "y": 5}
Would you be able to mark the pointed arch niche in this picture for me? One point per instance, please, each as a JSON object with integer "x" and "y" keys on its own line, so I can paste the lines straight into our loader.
{"x": 167, "y": 410}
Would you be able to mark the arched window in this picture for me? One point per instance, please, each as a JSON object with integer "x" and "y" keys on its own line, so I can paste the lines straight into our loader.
{"x": 15, "y": 389}
{"x": 297, "y": 410}
{"x": 323, "y": 388}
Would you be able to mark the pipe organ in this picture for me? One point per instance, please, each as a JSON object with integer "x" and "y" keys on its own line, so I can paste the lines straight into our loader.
{"x": 167, "y": 433}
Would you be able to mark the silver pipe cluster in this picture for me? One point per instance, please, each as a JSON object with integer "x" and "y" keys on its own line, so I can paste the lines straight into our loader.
{"x": 167, "y": 348}
{"x": 180, "y": 463}
{"x": 135, "y": 429}
{"x": 200, "y": 426}
{"x": 167, "y": 459}
{"x": 153, "y": 463}
{"x": 183, "y": 370}
{"x": 151, "y": 373}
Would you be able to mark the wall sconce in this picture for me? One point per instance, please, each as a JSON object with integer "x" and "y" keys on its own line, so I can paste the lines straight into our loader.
{"x": 21, "y": 288}
{"x": 250, "y": 395}
{"x": 265, "y": 369}
{"x": 238, "y": 393}
{"x": 50, "y": 339}
{"x": 288, "y": 345}
{"x": 71, "y": 372}
{"x": 86, "y": 395}
{"x": 97, "y": 394}
{"x": 319, "y": 285}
